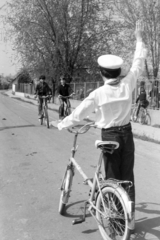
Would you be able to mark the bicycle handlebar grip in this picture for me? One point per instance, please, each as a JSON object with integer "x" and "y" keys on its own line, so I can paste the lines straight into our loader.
{"x": 77, "y": 221}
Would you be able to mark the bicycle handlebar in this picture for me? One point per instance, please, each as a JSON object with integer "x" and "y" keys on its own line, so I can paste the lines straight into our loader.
{"x": 44, "y": 96}
{"x": 47, "y": 96}
{"x": 60, "y": 96}
{"x": 80, "y": 129}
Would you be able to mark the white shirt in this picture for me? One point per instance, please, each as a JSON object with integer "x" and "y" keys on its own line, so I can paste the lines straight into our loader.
{"x": 111, "y": 102}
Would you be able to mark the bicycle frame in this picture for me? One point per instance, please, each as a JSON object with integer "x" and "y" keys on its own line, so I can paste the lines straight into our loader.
{"x": 73, "y": 164}
{"x": 96, "y": 186}
{"x": 104, "y": 194}
{"x": 87, "y": 181}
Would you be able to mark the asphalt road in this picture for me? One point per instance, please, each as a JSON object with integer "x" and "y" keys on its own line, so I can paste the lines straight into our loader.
{"x": 32, "y": 162}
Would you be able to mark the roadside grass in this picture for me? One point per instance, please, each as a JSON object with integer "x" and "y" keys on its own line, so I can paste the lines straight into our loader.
{"x": 145, "y": 138}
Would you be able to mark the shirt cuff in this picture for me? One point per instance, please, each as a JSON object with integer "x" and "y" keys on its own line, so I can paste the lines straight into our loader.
{"x": 60, "y": 126}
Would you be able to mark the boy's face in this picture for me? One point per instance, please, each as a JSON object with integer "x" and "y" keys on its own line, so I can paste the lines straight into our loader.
{"x": 62, "y": 81}
{"x": 41, "y": 80}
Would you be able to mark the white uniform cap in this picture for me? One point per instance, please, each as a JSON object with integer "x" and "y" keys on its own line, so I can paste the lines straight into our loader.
{"x": 110, "y": 61}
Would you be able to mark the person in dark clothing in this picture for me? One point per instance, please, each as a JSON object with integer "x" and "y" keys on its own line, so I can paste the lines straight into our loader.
{"x": 64, "y": 92}
{"x": 142, "y": 100}
{"x": 42, "y": 89}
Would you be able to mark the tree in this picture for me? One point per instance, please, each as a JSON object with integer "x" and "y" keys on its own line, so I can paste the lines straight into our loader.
{"x": 149, "y": 11}
{"x": 59, "y": 36}
{"x": 4, "y": 82}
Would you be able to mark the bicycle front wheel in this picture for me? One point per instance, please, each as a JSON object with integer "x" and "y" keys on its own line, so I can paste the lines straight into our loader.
{"x": 46, "y": 117}
{"x": 112, "y": 214}
{"x": 68, "y": 111}
{"x": 142, "y": 115}
{"x": 134, "y": 115}
{"x": 41, "y": 119}
{"x": 65, "y": 191}
{"x": 148, "y": 119}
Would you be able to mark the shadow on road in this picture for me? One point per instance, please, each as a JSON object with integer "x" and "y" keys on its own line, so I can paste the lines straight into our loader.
{"x": 67, "y": 214}
{"x": 80, "y": 215}
{"x": 147, "y": 228}
{"x": 19, "y": 126}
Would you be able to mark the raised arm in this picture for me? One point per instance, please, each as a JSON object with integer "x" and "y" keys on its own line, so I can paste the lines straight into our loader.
{"x": 140, "y": 53}
{"x": 139, "y": 31}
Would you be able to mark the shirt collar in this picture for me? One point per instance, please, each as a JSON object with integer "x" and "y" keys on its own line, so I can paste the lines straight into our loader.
{"x": 112, "y": 81}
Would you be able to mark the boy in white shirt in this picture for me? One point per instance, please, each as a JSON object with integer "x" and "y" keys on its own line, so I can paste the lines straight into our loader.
{"x": 113, "y": 103}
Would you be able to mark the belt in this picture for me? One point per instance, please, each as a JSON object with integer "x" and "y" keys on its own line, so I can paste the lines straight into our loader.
{"x": 127, "y": 126}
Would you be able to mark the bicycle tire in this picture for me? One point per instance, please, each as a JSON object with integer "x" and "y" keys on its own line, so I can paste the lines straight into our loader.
{"x": 65, "y": 192}
{"x": 142, "y": 116}
{"x": 115, "y": 200}
{"x": 134, "y": 115}
{"x": 46, "y": 117}
{"x": 41, "y": 119}
{"x": 68, "y": 111}
{"x": 148, "y": 119}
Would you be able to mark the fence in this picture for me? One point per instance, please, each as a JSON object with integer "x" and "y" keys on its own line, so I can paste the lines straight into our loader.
{"x": 25, "y": 88}
{"x": 82, "y": 90}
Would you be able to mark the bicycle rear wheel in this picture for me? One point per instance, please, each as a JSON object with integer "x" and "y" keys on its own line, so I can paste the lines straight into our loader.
{"x": 46, "y": 117}
{"x": 114, "y": 223}
{"x": 65, "y": 191}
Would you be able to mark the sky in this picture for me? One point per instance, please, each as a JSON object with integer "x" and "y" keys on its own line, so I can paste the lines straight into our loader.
{"x": 7, "y": 55}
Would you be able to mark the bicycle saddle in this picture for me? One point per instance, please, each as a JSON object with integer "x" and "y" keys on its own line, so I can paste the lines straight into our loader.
{"x": 106, "y": 146}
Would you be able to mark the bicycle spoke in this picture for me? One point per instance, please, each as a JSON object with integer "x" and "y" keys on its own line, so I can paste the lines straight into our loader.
{"x": 112, "y": 216}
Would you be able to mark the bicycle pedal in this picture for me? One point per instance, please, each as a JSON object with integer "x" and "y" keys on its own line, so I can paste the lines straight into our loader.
{"x": 77, "y": 221}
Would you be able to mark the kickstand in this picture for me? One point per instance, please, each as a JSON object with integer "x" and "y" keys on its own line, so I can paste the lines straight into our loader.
{"x": 83, "y": 218}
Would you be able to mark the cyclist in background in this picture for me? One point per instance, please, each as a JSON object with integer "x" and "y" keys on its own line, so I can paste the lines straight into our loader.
{"x": 42, "y": 89}
{"x": 63, "y": 90}
{"x": 142, "y": 99}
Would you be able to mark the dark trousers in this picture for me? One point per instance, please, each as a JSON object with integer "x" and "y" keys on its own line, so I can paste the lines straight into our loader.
{"x": 63, "y": 101}
{"x": 120, "y": 164}
{"x": 139, "y": 106}
{"x": 40, "y": 104}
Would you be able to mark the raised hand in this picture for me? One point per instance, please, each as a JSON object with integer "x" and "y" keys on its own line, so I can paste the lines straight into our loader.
{"x": 139, "y": 30}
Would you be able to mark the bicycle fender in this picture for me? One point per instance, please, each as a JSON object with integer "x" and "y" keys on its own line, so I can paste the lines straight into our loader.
{"x": 128, "y": 203}
{"x": 65, "y": 196}
{"x": 67, "y": 188}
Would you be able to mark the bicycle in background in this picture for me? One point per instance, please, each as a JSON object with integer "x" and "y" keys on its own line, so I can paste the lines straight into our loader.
{"x": 109, "y": 202}
{"x": 66, "y": 107}
{"x": 143, "y": 116}
{"x": 44, "y": 117}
